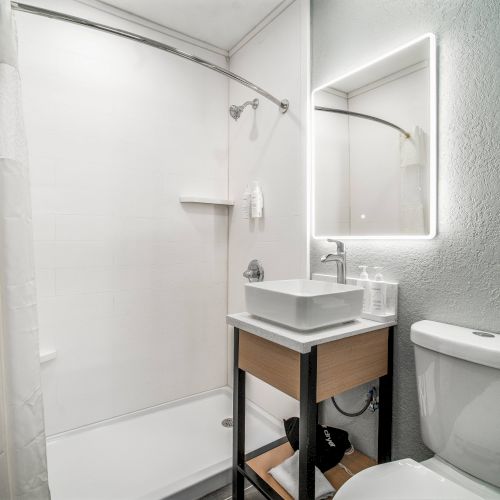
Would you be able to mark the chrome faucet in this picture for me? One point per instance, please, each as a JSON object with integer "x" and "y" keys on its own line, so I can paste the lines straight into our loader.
{"x": 339, "y": 258}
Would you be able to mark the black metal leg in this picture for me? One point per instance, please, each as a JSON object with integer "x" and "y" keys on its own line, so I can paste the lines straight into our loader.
{"x": 238, "y": 421}
{"x": 307, "y": 426}
{"x": 385, "y": 407}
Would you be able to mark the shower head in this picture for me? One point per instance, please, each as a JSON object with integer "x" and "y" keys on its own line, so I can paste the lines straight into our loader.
{"x": 235, "y": 111}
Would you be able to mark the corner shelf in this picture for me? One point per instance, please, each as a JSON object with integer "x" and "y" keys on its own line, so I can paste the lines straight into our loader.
{"x": 47, "y": 355}
{"x": 206, "y": 201}
{"x": 258, "y": 464}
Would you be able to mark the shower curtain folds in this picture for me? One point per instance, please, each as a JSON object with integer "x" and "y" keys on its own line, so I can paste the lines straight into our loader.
{"x": 23, "y": 465}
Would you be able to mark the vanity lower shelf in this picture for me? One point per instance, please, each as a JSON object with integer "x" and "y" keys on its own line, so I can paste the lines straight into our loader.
{"x": 259, "y": 462}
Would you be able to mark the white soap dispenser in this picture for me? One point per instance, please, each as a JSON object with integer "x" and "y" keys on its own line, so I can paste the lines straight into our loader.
{"x": 256, "y": 201}
{"x": 377, "y": 293}
{"x": 364, "y": 283}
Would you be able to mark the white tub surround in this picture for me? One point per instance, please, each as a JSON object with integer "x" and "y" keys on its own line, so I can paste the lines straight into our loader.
{"x": 272, "y": 150}
{"x": 302, "y": 341}
{"x": 120, "y": 263}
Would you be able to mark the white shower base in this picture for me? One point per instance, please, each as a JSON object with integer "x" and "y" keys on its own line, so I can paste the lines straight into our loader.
{"x": 176, "y": 450}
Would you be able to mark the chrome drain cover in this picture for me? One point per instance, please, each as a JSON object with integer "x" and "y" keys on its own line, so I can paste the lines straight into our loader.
{"x": 227, "y": 422}
{"x": 484, "y": 334}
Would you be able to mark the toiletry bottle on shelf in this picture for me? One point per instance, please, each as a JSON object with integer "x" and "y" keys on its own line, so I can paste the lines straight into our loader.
{"x": 377, "y": 293}
{"x": 245, "y": 203}
{"x": 257, "y": 201}
{"x": 364, "y": 283}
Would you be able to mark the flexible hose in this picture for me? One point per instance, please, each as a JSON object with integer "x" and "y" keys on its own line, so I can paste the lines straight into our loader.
{"x": 369, "y": 399}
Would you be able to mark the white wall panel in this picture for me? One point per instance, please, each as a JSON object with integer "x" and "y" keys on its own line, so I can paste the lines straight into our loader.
{"x": 132, "y": 285}
{"x": 269, "y": 147}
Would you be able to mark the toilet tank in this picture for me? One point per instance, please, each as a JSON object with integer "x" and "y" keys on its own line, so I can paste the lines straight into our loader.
{"x": 458, "y": 381}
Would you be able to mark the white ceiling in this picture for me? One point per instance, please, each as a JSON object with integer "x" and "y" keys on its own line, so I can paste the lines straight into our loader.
{"x": 222, "y": 23}
{"x": 417, "y": 52}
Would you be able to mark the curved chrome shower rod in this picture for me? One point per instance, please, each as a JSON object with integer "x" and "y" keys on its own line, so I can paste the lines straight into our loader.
{"x": 282, "y": 104}
{"x": 361, "y": 115}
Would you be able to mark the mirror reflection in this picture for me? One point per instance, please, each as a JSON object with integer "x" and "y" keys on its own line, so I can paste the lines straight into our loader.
{"x": 374, "y": 148}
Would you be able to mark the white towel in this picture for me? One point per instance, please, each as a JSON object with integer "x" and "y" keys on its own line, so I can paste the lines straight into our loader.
{"x": 287, "y": 474}
{"x": 412, "y": 150}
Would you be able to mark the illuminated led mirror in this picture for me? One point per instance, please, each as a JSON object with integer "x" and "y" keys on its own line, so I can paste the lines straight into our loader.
{"x": 374, "y": 148}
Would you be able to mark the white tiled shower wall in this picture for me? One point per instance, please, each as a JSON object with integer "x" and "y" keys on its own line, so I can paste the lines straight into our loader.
{"x": 132, "y": 284}
{"x": 270, "y": 148}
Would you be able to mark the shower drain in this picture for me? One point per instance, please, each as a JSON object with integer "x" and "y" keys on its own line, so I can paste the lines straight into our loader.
{"x": 484, "y": 334}
{"x": 227, "y": 422}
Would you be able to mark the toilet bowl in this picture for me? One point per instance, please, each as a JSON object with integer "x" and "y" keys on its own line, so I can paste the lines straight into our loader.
{"x": 458, "y": 381}
{"x": 409, "y": 480}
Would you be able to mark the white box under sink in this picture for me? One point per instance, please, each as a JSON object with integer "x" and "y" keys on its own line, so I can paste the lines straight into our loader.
{"x": 304, "y": 304}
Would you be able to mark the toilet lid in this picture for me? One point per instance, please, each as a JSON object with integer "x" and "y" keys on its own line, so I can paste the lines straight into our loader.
{"x": 402, "y": 480}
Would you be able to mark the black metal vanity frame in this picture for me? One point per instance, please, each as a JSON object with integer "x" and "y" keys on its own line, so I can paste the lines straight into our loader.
{"x": 307, "y": 427}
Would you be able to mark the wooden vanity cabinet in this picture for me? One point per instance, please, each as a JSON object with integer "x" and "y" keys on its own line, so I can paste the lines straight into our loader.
{"x": 324, "y": 370}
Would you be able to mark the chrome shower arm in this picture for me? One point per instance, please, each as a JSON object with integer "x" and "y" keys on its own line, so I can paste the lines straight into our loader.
{"x": 254, "y": 103}
{"x": 235, "y": 111}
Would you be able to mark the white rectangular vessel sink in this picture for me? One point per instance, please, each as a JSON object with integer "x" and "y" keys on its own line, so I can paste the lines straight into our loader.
{"x": 304, "y": 304}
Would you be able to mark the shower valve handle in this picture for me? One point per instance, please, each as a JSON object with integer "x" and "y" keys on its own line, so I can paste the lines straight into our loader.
{"x": 254, "y": 271}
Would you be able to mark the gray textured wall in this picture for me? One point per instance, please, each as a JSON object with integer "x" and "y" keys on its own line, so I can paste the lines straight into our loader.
{"x": 454, "y": 278}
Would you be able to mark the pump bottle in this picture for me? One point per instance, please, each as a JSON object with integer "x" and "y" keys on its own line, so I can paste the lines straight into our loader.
{"x": 364, "y": 283}
{"x": 377, "y": 293}
{"x": 256, "y": 201}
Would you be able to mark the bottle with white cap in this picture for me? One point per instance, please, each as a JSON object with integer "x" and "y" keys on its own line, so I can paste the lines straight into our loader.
{"x": 377, "y": 293}
{"x": 364, "y": 283}
{"x": 256, "y": 201}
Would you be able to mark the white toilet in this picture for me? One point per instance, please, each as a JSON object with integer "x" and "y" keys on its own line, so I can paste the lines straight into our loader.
{"x": 458, "y": 380}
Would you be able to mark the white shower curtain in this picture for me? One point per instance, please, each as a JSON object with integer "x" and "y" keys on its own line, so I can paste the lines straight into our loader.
{"x": 23, "y": 464}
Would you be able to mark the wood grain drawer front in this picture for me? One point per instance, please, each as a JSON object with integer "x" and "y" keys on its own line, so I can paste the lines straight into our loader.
{"x": 342, "y": 364}
{"x": 270, "y": 362}
{"x": 347, "y": 363}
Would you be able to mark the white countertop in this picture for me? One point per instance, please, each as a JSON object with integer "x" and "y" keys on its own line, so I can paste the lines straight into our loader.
{"x": 302, "y": 341}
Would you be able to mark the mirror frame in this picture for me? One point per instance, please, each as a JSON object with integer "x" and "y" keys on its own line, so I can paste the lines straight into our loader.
{"x": 432, "y": 147}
